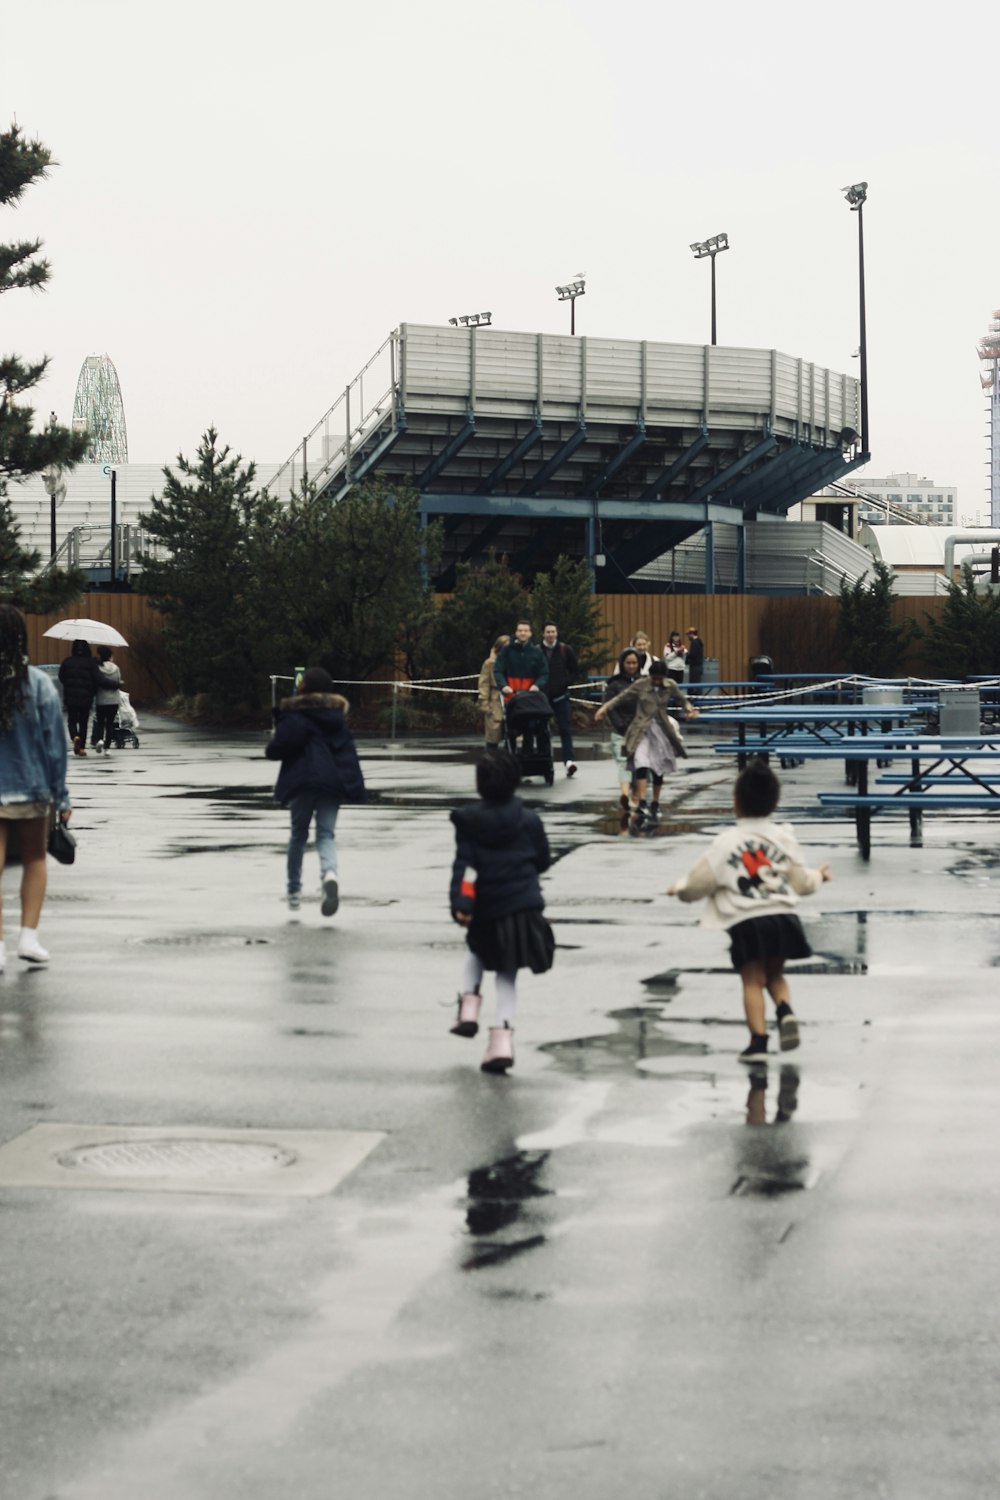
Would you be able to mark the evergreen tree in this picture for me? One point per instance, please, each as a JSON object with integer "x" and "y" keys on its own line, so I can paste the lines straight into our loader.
{"x": 566, "y": 597}
{"x": 867, "y": 640}
{"x": 487, "y": 601}
{"x": 22, "y": 450}
{"x": 211, "y": 524}
{"x": 965, "y": 641}
{"x": 348, "y": 579}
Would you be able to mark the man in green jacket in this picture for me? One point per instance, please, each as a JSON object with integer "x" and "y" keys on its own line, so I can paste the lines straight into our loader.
{"x": 521, "y": 666}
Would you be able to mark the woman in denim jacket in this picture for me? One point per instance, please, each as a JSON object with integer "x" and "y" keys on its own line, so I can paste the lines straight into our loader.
{"x": 32, "y": 774}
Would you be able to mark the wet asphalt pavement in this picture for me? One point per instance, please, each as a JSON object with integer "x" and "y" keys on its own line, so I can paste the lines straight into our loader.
{"x": 627, "y": 1269}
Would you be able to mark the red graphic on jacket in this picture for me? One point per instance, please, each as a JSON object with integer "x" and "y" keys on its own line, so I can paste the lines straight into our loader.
{"x": 760, "y": 873}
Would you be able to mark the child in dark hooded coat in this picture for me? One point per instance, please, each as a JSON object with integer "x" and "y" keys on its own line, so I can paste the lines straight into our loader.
{"x": 501, "y": 850}
{"x": 319, "y": 772}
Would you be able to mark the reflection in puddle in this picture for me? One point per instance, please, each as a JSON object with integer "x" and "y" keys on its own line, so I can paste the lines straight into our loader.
{"x": 500, "y": 1197}
{"x": 637, "y": 1039}
{"x": 770, "y": 1157}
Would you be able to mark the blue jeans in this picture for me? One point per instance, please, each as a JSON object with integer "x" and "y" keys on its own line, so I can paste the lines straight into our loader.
{"x": 302, "y": 809}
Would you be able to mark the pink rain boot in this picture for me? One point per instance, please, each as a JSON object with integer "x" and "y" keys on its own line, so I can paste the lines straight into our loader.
{"x": 467, "y": 1020}
{"x": 500, "y": 1052}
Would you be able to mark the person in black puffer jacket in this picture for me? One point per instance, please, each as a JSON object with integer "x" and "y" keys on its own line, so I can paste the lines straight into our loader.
{"x": 500, "y": 851}
{"x": 319, "y": 772}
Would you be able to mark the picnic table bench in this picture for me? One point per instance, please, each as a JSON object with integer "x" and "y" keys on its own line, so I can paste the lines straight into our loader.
{"x": 945, "y": 772}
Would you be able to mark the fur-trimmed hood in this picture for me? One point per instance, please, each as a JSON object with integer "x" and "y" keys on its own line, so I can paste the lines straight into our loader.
{"x": 315, "y": 700}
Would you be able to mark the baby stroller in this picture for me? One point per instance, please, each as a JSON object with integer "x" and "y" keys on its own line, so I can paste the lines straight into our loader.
{"x": 126, "y": 723}
{"x": 526, "y": 715}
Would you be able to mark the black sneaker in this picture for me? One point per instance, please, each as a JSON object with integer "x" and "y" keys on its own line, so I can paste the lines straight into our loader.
{"x": 654, "y": 812}
{"x": 788, "y": 1031}
{"x": 756, "y": 1052}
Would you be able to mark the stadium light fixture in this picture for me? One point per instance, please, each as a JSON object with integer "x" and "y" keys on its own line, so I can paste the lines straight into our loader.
{"x": 569, "y": 293}
{"x": 711, "y": 248}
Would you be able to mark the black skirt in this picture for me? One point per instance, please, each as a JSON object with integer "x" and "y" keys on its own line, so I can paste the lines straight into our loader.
{"x": 768, "y": 939}
{"x": 524, "y": 940}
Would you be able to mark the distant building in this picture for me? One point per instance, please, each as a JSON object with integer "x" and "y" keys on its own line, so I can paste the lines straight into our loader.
{"x": 918, "y": 498}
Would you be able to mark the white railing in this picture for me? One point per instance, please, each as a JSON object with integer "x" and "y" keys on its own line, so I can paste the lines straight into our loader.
{"x": 344, "y": 426}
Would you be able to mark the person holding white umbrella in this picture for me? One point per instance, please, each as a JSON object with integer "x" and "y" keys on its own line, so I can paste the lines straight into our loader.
{"x": 79, "y": 671}
{"x": 78, "y": 675}
{"x": 32, "y": 774}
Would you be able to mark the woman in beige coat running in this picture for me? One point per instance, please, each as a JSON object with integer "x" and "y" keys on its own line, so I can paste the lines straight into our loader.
{"x": 652, "y": 740}
{"x": 490, "y": 697}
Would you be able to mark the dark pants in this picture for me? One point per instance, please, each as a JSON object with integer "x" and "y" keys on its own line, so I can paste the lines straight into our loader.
{"x": 104, "y": 723}
{"x": 563, "y": 710}
{"x": 76, "y": 720}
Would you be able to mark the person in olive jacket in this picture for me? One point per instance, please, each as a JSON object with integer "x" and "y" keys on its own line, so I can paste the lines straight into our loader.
{"x": 78, "y": 676}
{"x": 319, "y": 772}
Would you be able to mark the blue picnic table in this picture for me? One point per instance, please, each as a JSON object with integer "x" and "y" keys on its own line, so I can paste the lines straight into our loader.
{"x": 946, "y": 771}
{"x": 783, "y": 729}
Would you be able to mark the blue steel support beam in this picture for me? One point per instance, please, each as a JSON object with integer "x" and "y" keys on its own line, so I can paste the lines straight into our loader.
{"x": 370, "y": 460}
{"x": 717, "y": 484}
{"x": 710, "y": 558}
{"x": 448, "y": 452}
{"x": 667, "y": 476}
{"x": 520, "y": 450}
{"x": 574, "y": 507}
{"x": 774, "y": 476}
{"x": 545, "y": 473}
{"x": 621, "y": 458}
{"x": 741, "y": 560}
{"x": 804, "y": 482}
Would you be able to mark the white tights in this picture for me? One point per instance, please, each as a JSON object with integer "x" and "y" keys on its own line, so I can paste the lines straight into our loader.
{"x": 506, "y": 988}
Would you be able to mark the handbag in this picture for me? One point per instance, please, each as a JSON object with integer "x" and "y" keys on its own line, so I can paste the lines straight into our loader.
{"x": 62, "y": 844}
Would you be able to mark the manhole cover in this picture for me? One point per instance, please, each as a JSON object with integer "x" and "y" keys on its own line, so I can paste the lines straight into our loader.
{"x": 177, "y": 1158}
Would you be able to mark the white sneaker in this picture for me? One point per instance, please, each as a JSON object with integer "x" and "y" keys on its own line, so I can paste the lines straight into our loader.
{"x": 294, "y": 900}
{"x": 99, "y": 747}
{"x": 331, "y": 895}
{"x": 571, "y": 768}
{"x": 31, "y": 950}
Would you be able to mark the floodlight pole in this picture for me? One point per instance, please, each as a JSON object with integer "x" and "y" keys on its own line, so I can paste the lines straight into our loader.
{"x": 114, "y": 528}
{"x": 711, "y": 248}
{"x": 863, "y": 342}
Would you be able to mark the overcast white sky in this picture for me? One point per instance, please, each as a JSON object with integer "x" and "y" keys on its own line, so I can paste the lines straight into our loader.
{"x": 250, "y": 196}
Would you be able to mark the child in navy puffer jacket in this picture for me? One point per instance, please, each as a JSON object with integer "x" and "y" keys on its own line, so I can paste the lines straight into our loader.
{"x": 501, "y": 850}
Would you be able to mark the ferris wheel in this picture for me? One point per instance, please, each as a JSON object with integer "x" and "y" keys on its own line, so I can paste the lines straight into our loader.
{"x": 98, "y": 411}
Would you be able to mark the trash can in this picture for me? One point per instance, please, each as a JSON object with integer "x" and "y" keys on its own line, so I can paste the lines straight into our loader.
{"x": 960, "y": 710}
{"x": 874, "y": 697}
{"x": 709, "y": 679}
{"x": 760, "y": 666}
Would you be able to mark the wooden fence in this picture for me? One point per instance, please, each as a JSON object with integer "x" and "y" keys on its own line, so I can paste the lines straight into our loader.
{"x": 795, "y": 631}
{"x": 143, "y": 665}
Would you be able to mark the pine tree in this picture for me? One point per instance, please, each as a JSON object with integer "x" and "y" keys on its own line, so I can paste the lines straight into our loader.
{"x": 965, "y": 641}
{"x": 867, "y": 640}
{"x": 209, "y": 522}
{"x": 349, "y": 579}
{"x": 22, "y": 450}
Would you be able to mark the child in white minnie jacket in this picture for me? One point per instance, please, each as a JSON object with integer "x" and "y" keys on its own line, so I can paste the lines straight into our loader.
{"x": 752, "y": 876}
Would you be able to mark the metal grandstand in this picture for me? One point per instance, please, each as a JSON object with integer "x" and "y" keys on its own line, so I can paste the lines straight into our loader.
{"x": 609, "y": 449}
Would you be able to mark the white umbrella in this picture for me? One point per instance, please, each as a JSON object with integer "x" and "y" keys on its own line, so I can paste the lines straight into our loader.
{"x": 94, "y": 631}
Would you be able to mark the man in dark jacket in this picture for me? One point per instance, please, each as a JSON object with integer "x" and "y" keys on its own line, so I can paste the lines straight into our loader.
{"x": 521, "y": 666}
{"x": 695, "y": 655}
{"x": 564, "y": 671}
{"x": 319, "y": 772}
{"x": 78, "y": 675}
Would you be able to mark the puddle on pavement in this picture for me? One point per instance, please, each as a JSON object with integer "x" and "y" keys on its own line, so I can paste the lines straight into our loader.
{"x": 637, "y": 1039}
{"x": 500, "y": 1208}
